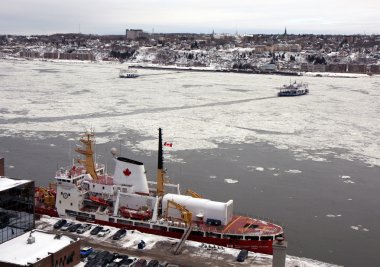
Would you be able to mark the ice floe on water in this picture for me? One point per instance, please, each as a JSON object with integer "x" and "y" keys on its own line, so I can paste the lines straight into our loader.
{"x": 333, "y": 215}
{"x": 347, "y": 179}
{"x": 231, "y": 181}
{"x": 293, "y": 171}
{"x": 359, "y": 228}
{"x": 255, "y": 168}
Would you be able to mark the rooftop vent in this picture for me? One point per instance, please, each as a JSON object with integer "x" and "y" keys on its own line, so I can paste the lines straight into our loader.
{"x": 58, "y": 236}
{"x": 31, "y": 239}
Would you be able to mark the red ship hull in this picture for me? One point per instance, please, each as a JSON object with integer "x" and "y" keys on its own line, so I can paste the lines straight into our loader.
{"x": 262, "y": 246}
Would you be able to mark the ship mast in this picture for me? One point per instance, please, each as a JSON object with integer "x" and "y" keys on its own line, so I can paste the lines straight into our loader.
{"x": 88, "y": 152}
{"x": 160, "y": 166}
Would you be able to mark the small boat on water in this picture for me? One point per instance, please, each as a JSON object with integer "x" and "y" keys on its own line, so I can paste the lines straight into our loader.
{"x": 127, "y": 73}
{"x": 294, "y": 89}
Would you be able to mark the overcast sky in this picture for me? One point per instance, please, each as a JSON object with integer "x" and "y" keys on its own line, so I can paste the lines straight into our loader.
{"x": 198, "y": 16}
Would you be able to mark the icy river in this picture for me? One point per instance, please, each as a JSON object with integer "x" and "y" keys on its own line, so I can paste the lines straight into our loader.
{"x": 310, "y": 163}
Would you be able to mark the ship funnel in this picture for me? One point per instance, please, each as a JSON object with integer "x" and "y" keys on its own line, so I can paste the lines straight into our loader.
{"x": 160, "y": 166}
{"x": 131, "y": 172}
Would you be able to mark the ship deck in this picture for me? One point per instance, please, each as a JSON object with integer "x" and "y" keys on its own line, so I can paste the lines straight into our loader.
{"x": 242, "y": 225}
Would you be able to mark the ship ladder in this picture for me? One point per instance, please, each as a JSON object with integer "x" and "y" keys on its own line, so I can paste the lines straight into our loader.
{"x": 181, "y": 243}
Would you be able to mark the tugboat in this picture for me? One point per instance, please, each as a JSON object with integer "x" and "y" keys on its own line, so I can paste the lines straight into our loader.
{"x": 128, "y": 73}
{"x": 128, "y": 200}
{"x": 294, "y": 89}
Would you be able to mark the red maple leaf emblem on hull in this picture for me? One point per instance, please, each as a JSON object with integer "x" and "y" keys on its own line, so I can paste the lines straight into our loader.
{"x": 127, "y": 172}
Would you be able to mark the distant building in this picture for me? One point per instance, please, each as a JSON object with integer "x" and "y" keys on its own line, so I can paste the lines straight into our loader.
{"x": 133, "y": 34}
{"x": 268, "y": 67}
{"x": 375, "y": 69}
{"x": 40, "y": 249}
{"x": 77, "y": 56}
{"x": 259, "y": 48}
{"x": 51, "y": 55}
{"x": 29, "y": 54}
{"x": 305, "y": 67}
{"x": 341, "y": 67}
{"x": 357, "y": 68}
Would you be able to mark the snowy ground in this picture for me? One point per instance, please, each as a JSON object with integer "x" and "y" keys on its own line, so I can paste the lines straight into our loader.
{"x": 132, "y": 238}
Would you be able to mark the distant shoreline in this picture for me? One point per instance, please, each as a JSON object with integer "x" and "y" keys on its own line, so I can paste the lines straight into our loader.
{"x": 283, "y": 73}
{"x": 199, "y": 69}
{"x": 195, "y": 69}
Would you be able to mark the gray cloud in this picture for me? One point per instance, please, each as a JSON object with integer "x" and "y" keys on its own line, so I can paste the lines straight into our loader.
{"x": 245, "y": 16}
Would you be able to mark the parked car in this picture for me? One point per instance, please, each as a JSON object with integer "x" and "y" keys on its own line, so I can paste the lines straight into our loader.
{"x": 83, "y": 228}
{"x": 104, "y": 232}
{"x": 84, "y": 252}
{"x": 108, "y": 257}
{"x": 119, "y": 234}
{"x": 96, "y": 230}
{"x": 153, "y": 263}
{"x": 140, "y": 263}
{"x": 74, "y": 227}
{"x": 118, "y": 260}
{"x": 129, "y": 262}
{"x": 93, "y": 255}
{"x": 66, "y": 226}
{"x": 243, "y": 254}
{"x": 141, "y": 245}
{"x": 59, "y": 223}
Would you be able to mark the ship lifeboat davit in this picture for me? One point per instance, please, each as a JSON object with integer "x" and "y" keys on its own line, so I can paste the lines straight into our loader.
{"x": 135, "y": 214}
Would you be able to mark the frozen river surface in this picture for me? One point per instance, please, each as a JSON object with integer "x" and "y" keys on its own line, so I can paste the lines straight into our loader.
{"x": 198, "y": 110}
{"x": 311, "y": 161}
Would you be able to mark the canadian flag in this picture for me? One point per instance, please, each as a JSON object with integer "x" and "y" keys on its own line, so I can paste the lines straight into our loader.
{"x": 168, "y": 144}
{"x": 127, "y": 172}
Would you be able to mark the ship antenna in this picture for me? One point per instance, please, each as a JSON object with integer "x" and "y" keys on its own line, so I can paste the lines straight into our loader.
{"x": 160, "y": 166}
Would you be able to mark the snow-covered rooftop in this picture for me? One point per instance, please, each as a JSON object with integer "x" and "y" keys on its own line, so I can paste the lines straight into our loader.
{"x": 6, "y": 183}
{"x": 17, "y": 251}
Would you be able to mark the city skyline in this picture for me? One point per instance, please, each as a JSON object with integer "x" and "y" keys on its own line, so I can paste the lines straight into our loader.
{"x": 25, "y": 17}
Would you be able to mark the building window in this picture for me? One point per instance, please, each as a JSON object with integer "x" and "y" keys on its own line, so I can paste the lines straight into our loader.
{"x": 70, "y": 258}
